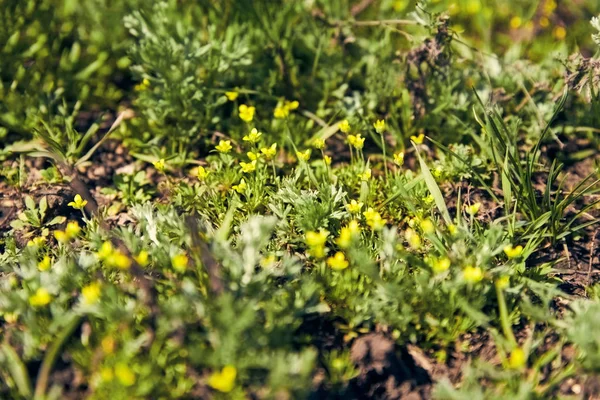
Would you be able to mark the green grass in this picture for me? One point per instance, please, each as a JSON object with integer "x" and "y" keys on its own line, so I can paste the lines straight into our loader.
{"x": 200, "y": 199}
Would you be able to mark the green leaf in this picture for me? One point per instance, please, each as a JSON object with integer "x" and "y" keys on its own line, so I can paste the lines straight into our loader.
{"x": 433, "y": 188}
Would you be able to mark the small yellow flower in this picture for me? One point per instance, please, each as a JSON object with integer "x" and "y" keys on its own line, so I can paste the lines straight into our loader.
{"x": 428, "y": 200}
{"x": 41, "y": 298}
{"x": 440, "y": 265}
{"x": 515, "y": 22}
{"x": 303, "y": 155}
{"x": 559, "y": 33}
{"x": 202, "y": 173}
{"x": 292, "y": 105}
{"x": 338, "y": 261}
{"x": 240, "y": 187}
{"x": 348, "y": 234}
{"x": 327, "y": 160}
{"x": 107, "y": 374}
{"x": 452, "y": 229}
{"x": 61, "y": 236}
{"x": 91, "y": 293}
{"x": 231, "y": 96}
{"x": 374, "y": 219}
{"x": 159, "y": 165}
{"x": 11, "y": 318}
{"x": 142, "y": 258}
{"x": 503, "y": 282}
{"x": 356, "y": 141}
{"x": 180, "y": 262}
{"x": 118, "y": 260}
{"x": 413, "y": 238}
{"x": 78, "y": 203}
{"x": 269, "y": 152}
{"x": 316, "y": 242}
{"x": 318, "y": 143}
{"x": 399, "y": 158}
{"x": 143, "y": 85}
{"x": 253, "y": 136}
{"x": 517, "y": 359}
{"x": 72, "y": 229}
{"x": 224, "y": 146}
{"x": 224, "y": 380}
{"x": 472, "y": 274}
{"x": 108, "y": 344}
{"x": 366, "y": 175}
{"x": 45, "y": 264}
{"x": 354, "y": 207}
{"x": 246, "y": 112}
{"x": 268, "y": 261}
{"x": 473, "y": 209}
{"x": 344, "y": 126}
{"x": 253, "y": 156}
{"x": 105, "y": 250}
{"x": 513, "y": 252}
{"x": 38, "y": 242}
{"x": 427, "y": 226}
{"x": 418, "y": 139}
{"x": 248, "y": 167}
{"x": 281, "y": 111}
{"x": 124, "y": 374}
{"x": 379, "y": 126}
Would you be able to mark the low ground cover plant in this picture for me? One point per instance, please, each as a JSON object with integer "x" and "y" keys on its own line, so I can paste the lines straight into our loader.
{"x": 283, "y": 199}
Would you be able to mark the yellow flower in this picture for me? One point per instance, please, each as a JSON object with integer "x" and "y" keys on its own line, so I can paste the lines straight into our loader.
{"x": 142, "y": 258}
{"x": 268, "y": 261}
{"x": 180, "y": 262}
{"x": 246, "y": 112}
{"x": 61, "y": 236}
{"x": 118, "y": 260}
{"x": 292, "y": 105}
{"x": 427, "y": 226}
{"x": 281, "y": 111}
{"x": 356, "y": 141}
{"x": 253, "y": 156}
{"x": 559, "y": 33}
{"x": 374, "y": 219}
{"x": 224, "y": 146}
{"x": 348, "y": 234}
{"x": 159, "y": 165}
{"x": 78, "y": 203}
{"x": 318, "y": 143}
{"x": 231, "y": 96}
{"x": 327, "y": 160}
{"x": 253, "y": 136}
{"x": 41, "y": 298}
{"x": 354, "y": 207}
{"x": 248, "y": 167}
{"x": 38, "y": 241}
{"x": 142, "y": 85}
{"x": 418, "y": 139}
{"x": 366, "y": 175}
{"x": 72, "y": 229}
{"x": 440, "y": 265}
{"x": 91, "y": 293}
{"x": 241, "y": 187}
{"x": 105, "y": 250}
{"x": 344, "y": 126}
{"x": 338, "y": 261}
{"x": 316, "y": 242}
{"x": 303, "y": 155}
{"x": 473, "y": 209}
{"x": 379, "y": 126}
{"x": 224, "y": 380}
{"x": 452, "y": 229}
{"x": 517, "y": 359}
{"x": 108, "y": 344}
{"x": 472, "y": 274}
{"x": 269, "y": 152}
{"x": 399, "y": 158}
{"x": 202, "y": 173}
{"x": 413, "y": 238}
{"x": 513, "y": 252}
{"x": 503, "y": 282}
{"x": 45, "y": 264}
{"x": 106, "y": 374}
{"x": 515, "y": 22}
{"x": 124, "y": 374}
